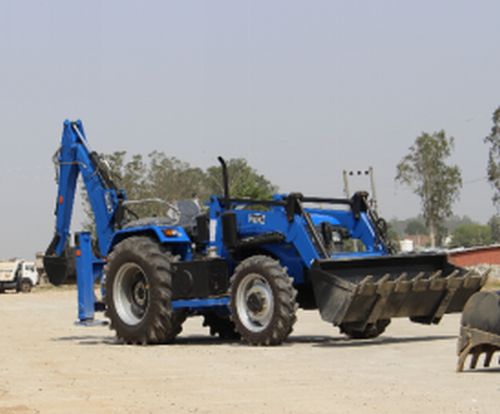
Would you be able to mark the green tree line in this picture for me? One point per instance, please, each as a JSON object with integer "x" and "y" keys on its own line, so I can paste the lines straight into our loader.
{"x": 167, "y": 178}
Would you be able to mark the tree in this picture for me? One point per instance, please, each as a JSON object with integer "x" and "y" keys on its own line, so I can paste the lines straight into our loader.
{"x": 494, "y": 224}
{"x": 393, "y": 237}
{"x": 415, "y": 227}
{"x": 437, "y": 184}
{"x": 473, "y": 234}
{"x": 244, "y": 181}
{"x": 493, "y": 168}
{"x": 454, "y": 221}
{"x": 171, "y": 179}
{"x": 167, "y": 178}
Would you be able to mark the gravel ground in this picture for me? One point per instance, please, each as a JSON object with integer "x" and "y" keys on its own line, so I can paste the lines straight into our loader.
{"x": 49, "y": 365}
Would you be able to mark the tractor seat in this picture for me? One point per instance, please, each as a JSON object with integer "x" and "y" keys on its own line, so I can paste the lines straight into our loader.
{"x": 188, "y": 211}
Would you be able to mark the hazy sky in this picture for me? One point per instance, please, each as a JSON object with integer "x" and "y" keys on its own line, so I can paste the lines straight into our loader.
{"x": 302, "y": 89}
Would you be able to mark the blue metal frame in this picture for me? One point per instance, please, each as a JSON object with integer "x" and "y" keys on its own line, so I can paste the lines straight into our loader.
{"x": 196, "y": 304}
{"x": 298, "y": 253}
{"x": 75, "y": 158}
{"x": 88, "y": 270}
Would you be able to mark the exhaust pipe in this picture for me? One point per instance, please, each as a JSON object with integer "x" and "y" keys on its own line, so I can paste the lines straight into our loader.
{"x": 225, "y": 180}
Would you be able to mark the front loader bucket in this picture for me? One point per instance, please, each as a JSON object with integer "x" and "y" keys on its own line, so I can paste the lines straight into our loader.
{"x": 358, "y": 292}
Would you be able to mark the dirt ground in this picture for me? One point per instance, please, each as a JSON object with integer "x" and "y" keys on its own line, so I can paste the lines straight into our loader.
{"x": 49, "y": 365}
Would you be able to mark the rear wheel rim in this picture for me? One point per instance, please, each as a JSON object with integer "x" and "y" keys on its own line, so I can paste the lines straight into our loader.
{"x": 255, "y": 302}
{"x": 131, "y": 294}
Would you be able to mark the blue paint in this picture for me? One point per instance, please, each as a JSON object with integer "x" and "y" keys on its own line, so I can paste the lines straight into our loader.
{"x": 88, "y": 271}
{"x": 201, "y": 303}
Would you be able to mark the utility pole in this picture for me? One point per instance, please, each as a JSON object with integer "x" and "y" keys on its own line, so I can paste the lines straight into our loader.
{"x": 374, "y": 194}
{"x": 346, "y": 184}
{"x": 369, "y": 172}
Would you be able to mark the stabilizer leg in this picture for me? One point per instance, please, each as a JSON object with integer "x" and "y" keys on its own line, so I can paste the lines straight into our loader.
{"x": 88, "y": 270}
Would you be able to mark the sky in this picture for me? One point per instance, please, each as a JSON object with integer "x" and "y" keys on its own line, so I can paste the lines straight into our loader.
{"x": 301, "y": 89}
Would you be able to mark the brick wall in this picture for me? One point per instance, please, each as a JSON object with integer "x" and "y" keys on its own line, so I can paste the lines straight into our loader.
{"x": 476, "y": 256}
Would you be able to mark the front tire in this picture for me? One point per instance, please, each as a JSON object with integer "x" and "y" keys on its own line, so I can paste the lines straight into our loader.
{"x": 263, "y": 305}
{"x": 25, "y": 286}
{"x": 139, "y": 293}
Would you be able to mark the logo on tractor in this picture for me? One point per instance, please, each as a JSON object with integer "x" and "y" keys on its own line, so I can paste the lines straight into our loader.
{"x": 257, "y": 219}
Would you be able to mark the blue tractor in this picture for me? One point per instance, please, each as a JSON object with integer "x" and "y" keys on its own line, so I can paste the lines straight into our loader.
{"x": 245, "y": 265}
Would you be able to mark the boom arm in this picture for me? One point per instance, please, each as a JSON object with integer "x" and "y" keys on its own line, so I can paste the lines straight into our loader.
{"x": 74, "y": 158}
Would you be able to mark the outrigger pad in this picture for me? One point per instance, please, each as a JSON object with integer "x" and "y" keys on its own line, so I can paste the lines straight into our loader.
{"x": 365, "y": 290}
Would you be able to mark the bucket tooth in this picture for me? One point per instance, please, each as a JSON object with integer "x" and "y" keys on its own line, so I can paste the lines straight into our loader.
{"x": 419, "y": 283}
{"x": 384, "y": 283}
{"x": 436, "y": 275}
{"x": 437, "y": 282}
{"x": 471, "y": 280}
{"x": 453, "y": 275}
{"x": 384, "y": 289}
{"x": 403, "y": 285}
{"x": 384, "y": 278}
{"x": 367, "y": 279}
{"x": 419, "y": 276}
{"x": 485, "y": 276}
{"x": 454, "y": 281}
{"x": 367, "y": 287}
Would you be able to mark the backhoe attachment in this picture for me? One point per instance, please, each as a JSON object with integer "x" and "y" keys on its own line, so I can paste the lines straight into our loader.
{"x": 59, "y": 268}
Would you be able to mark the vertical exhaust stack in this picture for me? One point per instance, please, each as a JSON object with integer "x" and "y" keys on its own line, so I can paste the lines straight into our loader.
{"x": 225, "y": 180}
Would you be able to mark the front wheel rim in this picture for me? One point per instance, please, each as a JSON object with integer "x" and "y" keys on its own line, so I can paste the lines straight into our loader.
{"x": 255, "y": 302}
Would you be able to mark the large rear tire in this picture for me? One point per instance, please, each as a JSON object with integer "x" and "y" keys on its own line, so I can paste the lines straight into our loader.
{"x": 263, "y": 305}
{"x": 371, "y": 330}
{"x": 139, "y": 293}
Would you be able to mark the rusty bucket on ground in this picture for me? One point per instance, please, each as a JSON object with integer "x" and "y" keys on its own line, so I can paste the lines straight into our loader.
{"x": 480, "y": 330}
